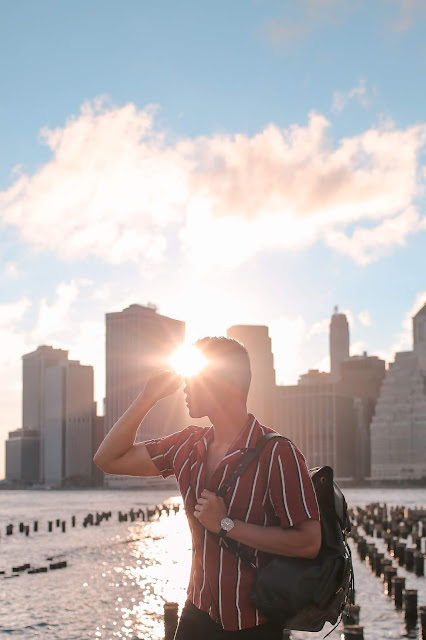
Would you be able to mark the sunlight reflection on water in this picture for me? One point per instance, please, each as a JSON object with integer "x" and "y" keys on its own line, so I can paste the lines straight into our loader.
{"x": 119, "y": 575}
{"x": 166, "y": 553}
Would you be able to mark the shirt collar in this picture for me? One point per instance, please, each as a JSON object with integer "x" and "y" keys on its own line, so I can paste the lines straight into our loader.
{"x": 200, "y": 447}
{"x": 248, "y": 436}
{"x": 246, "y": 439}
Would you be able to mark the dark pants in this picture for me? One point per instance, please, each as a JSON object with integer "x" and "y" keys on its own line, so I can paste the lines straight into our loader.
{"x": 195, "y": 624}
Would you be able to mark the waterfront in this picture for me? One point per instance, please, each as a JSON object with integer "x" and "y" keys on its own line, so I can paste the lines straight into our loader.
{"x": 120, "y": 574}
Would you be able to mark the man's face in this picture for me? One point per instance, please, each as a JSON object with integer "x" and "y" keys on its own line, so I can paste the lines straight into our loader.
{"x": 206, "y": 392}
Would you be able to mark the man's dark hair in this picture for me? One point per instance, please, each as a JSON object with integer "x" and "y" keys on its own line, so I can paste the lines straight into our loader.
{"x": 230, "y": 357}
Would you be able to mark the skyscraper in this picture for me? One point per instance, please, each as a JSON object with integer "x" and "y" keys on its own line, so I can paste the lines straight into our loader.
{"x": 80, "y": 415}
{"x": 398, "y": 428}
{"x": 321, "y": 421}
{"x": 261, "y": 398}
{"x": 34, "y": 367}
{"x": 139, "y": 340}
{"x": 314, "y": 376}
{"x": 70, "y": 411}
{"x": 23, "y": 456}
{"x": 419, "y": 336}
{"x": 361, "y": 378}
{"x": 339, "y": 343}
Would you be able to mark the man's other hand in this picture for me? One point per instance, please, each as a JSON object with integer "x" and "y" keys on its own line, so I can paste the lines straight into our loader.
{"x": 210, "y": 510}
{"x": 160, "y": 384}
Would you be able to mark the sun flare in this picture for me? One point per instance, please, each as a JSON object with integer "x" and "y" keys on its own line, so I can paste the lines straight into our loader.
{"x": 187, "y": 360}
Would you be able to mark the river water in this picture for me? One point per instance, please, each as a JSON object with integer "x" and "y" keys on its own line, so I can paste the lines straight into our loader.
{"x": 119, "y": 575}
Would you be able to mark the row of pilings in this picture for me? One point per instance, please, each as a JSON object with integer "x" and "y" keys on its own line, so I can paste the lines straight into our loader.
{"x": 140, "y": 515}
{"x": 403, "y": 531}
{"x": 146, "y": 514}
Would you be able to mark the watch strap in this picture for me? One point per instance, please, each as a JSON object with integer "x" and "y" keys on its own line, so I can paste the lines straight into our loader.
{"x": 222, "y": 533}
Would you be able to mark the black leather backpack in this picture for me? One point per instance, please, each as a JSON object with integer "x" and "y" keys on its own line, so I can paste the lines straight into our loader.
{"x": 300, "y": 593}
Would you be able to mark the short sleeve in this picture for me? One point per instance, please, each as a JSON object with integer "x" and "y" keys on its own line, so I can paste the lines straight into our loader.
{"x": 163, "y": 450}
{"x": 291, "y": 491}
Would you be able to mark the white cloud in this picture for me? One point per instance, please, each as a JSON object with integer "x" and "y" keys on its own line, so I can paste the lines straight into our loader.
{"x": 115, "y": 188}
{"x": 110, "y": 190}
{"x": 365, "y": 318}
{"x": 11, "y": 269}
{"x": 11, "y": 313}
{"x": 357, "y": 348}
{"x": 54, "y": 319}
{"x": 323, "y": 364}
{"x": 366, "y": 245}
{"x": 358, "y": 93}
{"x": 320, "y": 327}
{"x": 12, "y": 346}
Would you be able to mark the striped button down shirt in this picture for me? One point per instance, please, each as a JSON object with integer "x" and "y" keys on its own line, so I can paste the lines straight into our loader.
{"x": 275, "y": 490}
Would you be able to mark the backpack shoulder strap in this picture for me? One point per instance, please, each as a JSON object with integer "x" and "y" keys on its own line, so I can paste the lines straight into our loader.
{"x": 248, "y": 457}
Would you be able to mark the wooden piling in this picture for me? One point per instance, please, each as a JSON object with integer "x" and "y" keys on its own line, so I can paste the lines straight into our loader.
{"x": 409, "y": 603}
{"x": 398, "y": 586}
{"x": 170, "y": 619}
{"x": 353, "y": 632}
{"x": 419, "y": 563}
{"x": 422, "y": 620}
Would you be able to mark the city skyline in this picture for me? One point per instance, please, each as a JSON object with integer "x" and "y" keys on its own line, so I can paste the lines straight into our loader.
{"x": 130, "y": 321}
{"x": 243, "y": 162}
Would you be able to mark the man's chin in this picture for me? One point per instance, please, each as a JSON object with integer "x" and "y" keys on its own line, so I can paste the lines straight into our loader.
{"x": 195, "y": 414}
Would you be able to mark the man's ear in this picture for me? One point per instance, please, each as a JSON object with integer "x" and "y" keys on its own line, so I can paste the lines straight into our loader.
{"x": 235, "y": 388}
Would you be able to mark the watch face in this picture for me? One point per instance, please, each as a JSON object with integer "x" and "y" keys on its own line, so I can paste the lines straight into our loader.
{"x": 227, "y": 524}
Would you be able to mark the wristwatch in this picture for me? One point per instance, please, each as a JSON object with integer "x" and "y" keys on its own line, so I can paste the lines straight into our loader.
{"x": 226, "y": 524}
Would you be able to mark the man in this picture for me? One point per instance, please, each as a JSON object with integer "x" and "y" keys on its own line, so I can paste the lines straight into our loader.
{"x": 271, "y": 509}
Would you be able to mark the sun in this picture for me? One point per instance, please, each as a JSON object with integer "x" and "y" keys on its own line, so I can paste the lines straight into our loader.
{"x": 187, "y": 360}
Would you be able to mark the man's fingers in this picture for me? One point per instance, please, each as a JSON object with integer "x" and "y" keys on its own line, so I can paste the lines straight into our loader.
{"x": 206, "y": 492}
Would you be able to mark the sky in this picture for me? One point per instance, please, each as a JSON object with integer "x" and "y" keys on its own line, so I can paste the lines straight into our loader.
{"x": 244, "y": 162}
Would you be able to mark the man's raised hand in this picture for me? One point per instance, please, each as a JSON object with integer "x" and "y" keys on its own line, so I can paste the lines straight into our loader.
{"x": 160, "y": 384}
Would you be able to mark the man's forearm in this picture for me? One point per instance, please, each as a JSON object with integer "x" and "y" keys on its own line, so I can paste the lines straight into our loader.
{"x": 287, "y": 542}
{"x": 123, "y": 433}
{"x": 303, "y": 541}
